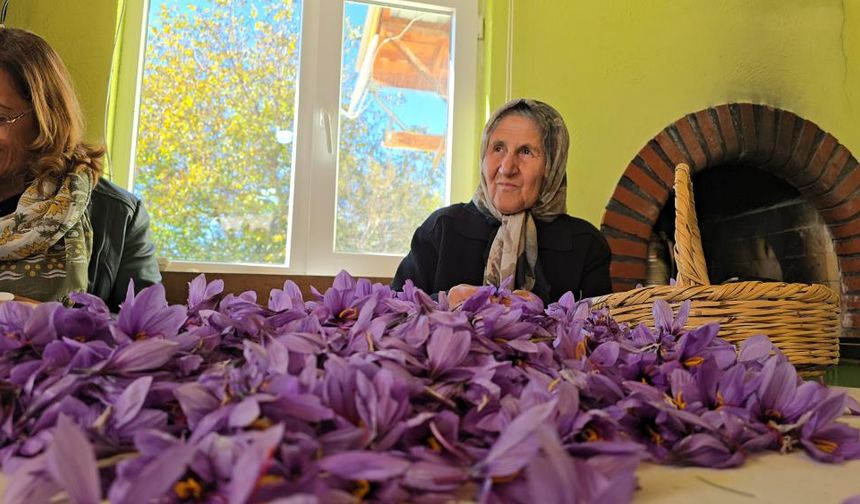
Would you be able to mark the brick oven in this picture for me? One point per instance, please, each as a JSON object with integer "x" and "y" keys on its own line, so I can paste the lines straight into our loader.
{"x": 778, "y": 199}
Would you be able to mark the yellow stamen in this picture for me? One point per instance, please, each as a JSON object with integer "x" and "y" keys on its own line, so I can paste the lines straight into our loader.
{"x": 590, "y": 435}
{"x": 679, "y": 401}
{"x": 434, "y": 444}
{"x": 261, "y": 423}
{"x": 694, "y": 361}
{"x": 348, "y": 314}
{"x": 825, "y": 445}
{"x": 485, "y": 400}
{"x": 720, "y": 399}
{"x": 140, "y": 335}
{"x": 553, "y": 384}
{"x": 580, "y": 351}
{"x": 188, "y": 489}
{"x": 269, "y": 479}
{"x": 369, "y": 338}
{"x": 505, "y": 479}
{"x": 362, "y": 488}
{"x": 655, "y": 437}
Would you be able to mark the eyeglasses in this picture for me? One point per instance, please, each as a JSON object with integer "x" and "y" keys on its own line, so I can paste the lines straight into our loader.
{"x": 4, "y": 120}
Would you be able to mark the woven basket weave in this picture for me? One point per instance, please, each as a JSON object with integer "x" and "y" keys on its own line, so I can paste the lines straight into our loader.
{"x": 801, "y": 319}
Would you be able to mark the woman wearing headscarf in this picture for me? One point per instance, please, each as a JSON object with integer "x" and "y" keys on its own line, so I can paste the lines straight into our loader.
{"x": 62, "y": 228}
{"x": 516, "y": 224}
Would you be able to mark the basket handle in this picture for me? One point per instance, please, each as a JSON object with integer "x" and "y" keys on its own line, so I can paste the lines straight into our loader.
{"x": 689, "y": 255}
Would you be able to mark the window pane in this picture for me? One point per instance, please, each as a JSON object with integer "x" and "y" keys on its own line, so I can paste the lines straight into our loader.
{"x": 394, "y": 121}
{"x": 214, "y": 152}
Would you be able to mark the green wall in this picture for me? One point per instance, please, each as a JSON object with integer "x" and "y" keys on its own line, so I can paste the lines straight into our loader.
{"x": 82, "y": 32}
{"x": 621, "y": 71}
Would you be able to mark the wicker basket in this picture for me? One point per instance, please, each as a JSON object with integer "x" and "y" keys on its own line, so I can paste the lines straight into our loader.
{"x": 801, "y": 319}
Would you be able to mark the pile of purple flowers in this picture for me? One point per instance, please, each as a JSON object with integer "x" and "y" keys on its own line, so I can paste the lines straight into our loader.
{"x": 370, "y": 394}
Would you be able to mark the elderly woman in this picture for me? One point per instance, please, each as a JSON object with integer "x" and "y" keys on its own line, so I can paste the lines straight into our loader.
{"x": 516, "y": 224}
{"x": 62, "y": 228}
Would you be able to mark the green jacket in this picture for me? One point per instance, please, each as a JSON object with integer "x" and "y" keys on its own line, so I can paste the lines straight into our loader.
{"x": 122, "y": 248}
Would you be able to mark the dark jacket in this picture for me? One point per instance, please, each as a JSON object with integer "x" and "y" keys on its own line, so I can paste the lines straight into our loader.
{"x": 122, "y": 248}
{"x": 451, "y": 247}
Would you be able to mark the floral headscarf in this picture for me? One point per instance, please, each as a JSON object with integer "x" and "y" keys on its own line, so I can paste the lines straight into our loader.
{"x": 514, "y": 248}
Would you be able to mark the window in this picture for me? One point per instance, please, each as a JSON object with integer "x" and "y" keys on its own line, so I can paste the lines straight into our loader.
{"x": 295, "y": 136}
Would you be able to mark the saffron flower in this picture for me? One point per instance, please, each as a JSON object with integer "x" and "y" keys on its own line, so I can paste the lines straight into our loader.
{"x": 363, "y": 393}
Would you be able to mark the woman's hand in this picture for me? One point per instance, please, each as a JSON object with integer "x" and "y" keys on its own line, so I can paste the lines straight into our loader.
{"x": 458, "y": 294}
{"x": 528, "y": 296}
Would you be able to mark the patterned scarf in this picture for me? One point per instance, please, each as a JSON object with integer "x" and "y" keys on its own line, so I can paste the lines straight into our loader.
{"x": 514, "y": 248}
{"x": 45, "y": 245}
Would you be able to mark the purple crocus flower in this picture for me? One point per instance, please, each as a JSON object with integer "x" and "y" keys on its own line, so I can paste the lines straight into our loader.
{"x": 203, "y": 295}
{"x": 781, "y": 397}
{"x": 151, "y": 475}
{"x": 30, "y": 482}
{"x": 71, "y": 463}
{"x": 447, "y": 348}
{"x": 143, "y": 355}
{"x": 556, "y": 477}
{"x": 363, "y": 393}
{"x": 147, "y": 315}
{"x": 826, "y": 439}
{"x": 382, "y": 404}
{"x": 518, "y": 443}
{"x": 13, "y": 321}
{"x": 251, "y": 464}
{"x": 667, "y": 323}
{"x": 128, "y": 415}
{"x": 68, "y": 464}
{"x": 706, "y": 450}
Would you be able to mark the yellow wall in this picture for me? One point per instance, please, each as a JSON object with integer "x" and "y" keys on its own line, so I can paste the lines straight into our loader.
{"x": 621, "y": 71}
{"x": 82, "y": 32}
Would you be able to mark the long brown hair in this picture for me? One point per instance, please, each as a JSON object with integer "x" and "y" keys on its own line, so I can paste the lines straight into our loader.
{"x": 43, "y": 80}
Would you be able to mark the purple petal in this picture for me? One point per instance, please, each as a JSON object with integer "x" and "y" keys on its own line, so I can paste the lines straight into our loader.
{"x": 154, "y": 479}
{"x": 707, "y": 451}
{"x": 244, "y": 413}
{"x": 142, "y": 356}
{"x": 517, "y": 444}
{"x": 129, "y": 403}
{"x": 447, "y": 348}
{"x": 756, "y": 348}
{"x": 364, "y": 465}
{"x": 30, "y": 483}
{"x": 552, "y": 478}
{"x": 71, "y": 460}
{"x": 834, "y": 443}
{"x": 433, "y": 477}
{"x": 251, "y": 463}
{"x": 147, "y": 314}
{"x": 196, "y": 402}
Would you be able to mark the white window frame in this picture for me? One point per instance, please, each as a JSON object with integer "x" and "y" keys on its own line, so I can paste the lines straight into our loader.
{"x": 310, "y": 243}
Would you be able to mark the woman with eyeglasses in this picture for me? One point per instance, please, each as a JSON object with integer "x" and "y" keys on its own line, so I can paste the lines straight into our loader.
{"x": 63, "y": 228}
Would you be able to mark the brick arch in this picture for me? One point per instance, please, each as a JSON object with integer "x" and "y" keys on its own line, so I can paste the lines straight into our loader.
{"x": 774, "y": 140}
